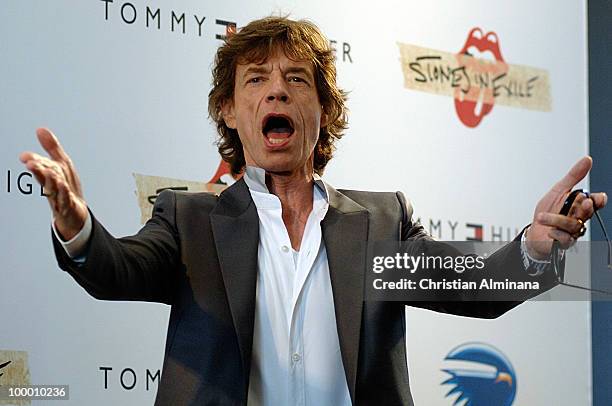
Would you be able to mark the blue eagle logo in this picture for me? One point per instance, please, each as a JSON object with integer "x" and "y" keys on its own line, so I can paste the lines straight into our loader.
{"x": 481, "y": 387}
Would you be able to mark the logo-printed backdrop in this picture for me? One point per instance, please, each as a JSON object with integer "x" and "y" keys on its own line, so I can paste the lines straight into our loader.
{"x": 125, "y": 89}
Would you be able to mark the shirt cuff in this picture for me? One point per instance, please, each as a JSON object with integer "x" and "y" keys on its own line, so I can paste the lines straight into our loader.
{"x": 534, "y": 267}
{"x": 75, "y": 247}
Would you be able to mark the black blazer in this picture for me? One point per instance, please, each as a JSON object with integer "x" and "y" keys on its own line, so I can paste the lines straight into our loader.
{"x": 198, "y": 253}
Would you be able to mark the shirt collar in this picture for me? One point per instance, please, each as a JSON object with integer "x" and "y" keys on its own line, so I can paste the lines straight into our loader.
{"x": 255, "y": 179}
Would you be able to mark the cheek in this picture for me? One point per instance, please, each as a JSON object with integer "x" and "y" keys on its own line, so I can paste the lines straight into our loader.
{"x": 246, "y": 125}
{"x": 315, "y": 126}
{"x": 246, "y": 112}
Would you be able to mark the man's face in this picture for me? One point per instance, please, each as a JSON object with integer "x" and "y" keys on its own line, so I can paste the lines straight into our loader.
{"x": 277, "y": 113}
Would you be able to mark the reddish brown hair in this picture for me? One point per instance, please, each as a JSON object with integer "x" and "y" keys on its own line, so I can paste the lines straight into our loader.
{"x": 301, "y": 41}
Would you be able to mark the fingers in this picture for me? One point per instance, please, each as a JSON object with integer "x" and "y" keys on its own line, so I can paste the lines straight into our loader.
{"x": 59, "y": 193}
{"x": 585, "y": 210}
{"x": 31, "y": 158}
{"x": 566, "y": 224}
{"x": 58, "y": 160}
{"x": 54, "y": 184}
{"x": 575, "y": 175}
{"x": 582, "y": 208}
{"x": 600, "y": 199}
{"x": 26, "y": 156}
{"x": 38, "y": 170}
{"x": 57, "y": 189}
{"x": 567, "y": 229}
{"x": 50, "y": 144}
{"x": 60, "y": 182}
{"x": 43, "y": 170}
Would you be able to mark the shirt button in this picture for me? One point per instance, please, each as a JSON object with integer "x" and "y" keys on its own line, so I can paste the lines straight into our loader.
{"x": 284, "y": 248}
{"x": 296, "y": 357}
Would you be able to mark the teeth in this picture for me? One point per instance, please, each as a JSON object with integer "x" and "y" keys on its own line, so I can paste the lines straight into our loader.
{"x": 276, "y": 140}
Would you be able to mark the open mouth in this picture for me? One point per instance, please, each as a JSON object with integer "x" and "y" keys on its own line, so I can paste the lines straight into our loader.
{"x": 277, "y": 128}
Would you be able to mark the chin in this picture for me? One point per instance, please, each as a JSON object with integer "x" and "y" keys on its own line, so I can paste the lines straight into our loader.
{"x": 280, "y": 162}
{"x": 279, "y": 167}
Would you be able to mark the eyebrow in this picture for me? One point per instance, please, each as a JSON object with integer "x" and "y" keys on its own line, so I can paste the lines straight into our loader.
{"x": 256, "y": 69}
{"x": 299, "y": 69}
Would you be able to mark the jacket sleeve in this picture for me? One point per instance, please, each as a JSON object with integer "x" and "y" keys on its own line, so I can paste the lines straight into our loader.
{"x": 506, "y": 259}
{"x": 140, "y": 267}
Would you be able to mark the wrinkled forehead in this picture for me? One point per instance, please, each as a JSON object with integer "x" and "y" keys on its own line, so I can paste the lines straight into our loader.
{"x": 260, "y": 54}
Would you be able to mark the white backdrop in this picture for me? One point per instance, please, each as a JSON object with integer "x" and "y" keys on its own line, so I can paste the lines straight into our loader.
{"x": 125, "y": 98}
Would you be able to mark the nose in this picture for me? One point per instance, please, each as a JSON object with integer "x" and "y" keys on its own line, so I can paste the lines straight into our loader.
{"x": 278, "y": 90}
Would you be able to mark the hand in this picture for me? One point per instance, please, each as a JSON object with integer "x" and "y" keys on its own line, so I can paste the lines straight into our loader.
{"x": 61, "y": 183}
{"x": 548, "y": 225}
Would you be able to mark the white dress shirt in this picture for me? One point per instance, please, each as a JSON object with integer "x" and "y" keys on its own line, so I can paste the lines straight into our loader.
{"x": 296, "y": 352}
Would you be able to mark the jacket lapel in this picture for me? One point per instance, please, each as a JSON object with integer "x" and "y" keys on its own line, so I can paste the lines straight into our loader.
{"x": 235, "y": 227}
{"x": 345, "y": 230}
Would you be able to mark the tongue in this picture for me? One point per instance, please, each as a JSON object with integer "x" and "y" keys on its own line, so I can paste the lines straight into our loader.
{"x": 279, "y": 133}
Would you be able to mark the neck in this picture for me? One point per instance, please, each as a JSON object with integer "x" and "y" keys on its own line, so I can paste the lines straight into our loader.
{"x": 293, "y": 189}
{"x": 295, "y": 192}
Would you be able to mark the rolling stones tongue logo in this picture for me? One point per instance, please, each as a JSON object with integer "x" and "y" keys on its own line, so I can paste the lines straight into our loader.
{"x": 477, "y": 77}
{"x": 476, "y": 101}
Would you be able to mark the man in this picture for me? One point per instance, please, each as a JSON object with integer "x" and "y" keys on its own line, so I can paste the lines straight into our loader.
{"x": 266, "y": 281}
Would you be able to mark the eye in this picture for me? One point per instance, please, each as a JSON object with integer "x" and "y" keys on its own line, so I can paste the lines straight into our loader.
{"x": 255, "y": 79}
{"x": 297, "y": 79}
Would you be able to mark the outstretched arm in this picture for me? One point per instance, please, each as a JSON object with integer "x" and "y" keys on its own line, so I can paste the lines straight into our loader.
{"x": 141, "y": 267}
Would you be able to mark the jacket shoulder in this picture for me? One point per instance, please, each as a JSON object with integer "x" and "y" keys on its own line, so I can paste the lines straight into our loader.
{"x": 390, "y": 208}
{"x": 205, "y": 201}
{"x": 388, "y": 202}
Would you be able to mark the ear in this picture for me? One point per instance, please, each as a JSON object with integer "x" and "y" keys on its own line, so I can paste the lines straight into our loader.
{"x": 229, "y": 116}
